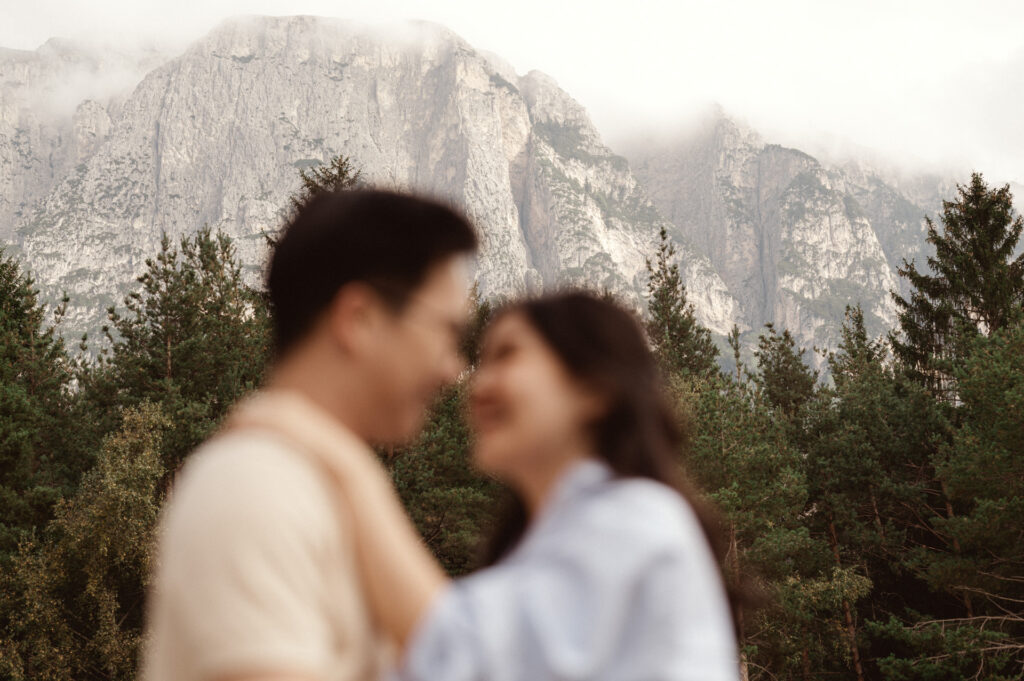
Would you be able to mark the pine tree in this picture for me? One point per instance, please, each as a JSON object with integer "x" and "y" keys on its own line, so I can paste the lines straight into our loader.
{"x": 193, "y": 338}
{"x": 338, "y": 174}
{"x": 734, "y": 345}
{"x": 983, "y": 466}
{"x": 974, "y": 284}
{"x": 682, "y": 344}
{"x": 481, "y": 312}
{"x": 741, "y": 456}
{"x": 40, "y": 457}
{"x": 856, "y": 352}
{"x": 868, "y": 442}
{"x": 786, "y": 382}
{"x": 979, "y": 562}
{"x": 450, "y": 503}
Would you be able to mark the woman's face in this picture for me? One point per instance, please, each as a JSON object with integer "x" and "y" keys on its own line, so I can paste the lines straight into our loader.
{"x": 528, "y": 413}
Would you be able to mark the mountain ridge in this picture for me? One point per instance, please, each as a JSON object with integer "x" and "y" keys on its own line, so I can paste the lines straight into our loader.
{"x": 216, "y": 135}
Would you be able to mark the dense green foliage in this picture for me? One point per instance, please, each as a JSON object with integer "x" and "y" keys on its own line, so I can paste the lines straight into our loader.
{"x": 449, "y": 503}
{"x": 40, "y": 458}
{"x": 683, "y": 345}
{"x": 73, "y": 599}
{"x": 786, "y": 383}
{"x": 193, "y": 338}
{"x": 881, "y": 522}
{"x": 338, "y": 174}
{"x": 974, "y": 285}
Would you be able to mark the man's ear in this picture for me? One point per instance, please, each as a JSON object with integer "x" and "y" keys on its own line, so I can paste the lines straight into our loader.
{"x": 352, "y": 316}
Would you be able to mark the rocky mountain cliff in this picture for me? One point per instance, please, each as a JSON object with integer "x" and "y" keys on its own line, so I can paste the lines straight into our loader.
{"x": 794, "y": 240}
{"x": 90, "y": 180}
{"x": 56, "y": 105}
{"x": 217, "y": 136}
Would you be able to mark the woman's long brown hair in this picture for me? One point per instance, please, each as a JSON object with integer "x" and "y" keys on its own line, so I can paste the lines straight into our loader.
{"x": 603, "y": 347}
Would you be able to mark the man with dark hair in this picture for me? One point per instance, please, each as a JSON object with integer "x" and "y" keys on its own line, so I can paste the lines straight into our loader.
{"x": 256, "y": 576}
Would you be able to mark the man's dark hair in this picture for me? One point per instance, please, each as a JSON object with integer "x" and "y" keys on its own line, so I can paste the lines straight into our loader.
{"x": 385, "y": 239}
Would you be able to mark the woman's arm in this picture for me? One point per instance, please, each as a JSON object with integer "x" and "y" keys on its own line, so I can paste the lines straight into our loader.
{"x": 400, "y": 577}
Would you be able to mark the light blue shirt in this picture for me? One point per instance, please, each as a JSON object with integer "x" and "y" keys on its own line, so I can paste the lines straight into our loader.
{"x": 614, "y": 581}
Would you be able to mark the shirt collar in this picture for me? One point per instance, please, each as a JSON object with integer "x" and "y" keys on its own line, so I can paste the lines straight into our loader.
{"x": 576, "y": 482}
{"x": 580, "y": 477}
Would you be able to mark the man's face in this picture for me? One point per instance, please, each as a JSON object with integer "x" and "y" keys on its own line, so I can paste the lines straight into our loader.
{"x": 416, "y": 353}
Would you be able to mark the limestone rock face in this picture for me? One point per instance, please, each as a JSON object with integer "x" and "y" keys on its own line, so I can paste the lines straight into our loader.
{"x": 794, "y": 241}
{"x": 102, "y": 152}
{"x": 55, "y": 110}
{"x": 217, "y": 136}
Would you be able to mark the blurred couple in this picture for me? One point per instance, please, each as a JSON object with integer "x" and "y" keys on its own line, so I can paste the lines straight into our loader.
{"x": 285, "y": 555}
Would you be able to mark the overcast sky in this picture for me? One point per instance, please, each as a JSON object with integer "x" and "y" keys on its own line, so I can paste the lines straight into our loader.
{"x": 927, "y": 84}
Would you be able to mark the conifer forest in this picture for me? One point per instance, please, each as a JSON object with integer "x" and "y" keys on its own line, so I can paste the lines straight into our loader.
{"x": 874, "y": 508}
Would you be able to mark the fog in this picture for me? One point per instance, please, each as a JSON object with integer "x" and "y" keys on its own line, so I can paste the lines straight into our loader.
{"x": 936, "y": 86}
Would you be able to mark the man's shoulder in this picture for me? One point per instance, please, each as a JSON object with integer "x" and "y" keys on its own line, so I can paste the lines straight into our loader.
{"x": 234, "y": 453}
{"x": 254, "y": 567}
{"x": 250, "y": 458}
{"x": 246, "y": 478}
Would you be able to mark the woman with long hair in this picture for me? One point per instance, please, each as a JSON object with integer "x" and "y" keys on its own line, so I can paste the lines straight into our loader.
{"x": 604, "y": 567}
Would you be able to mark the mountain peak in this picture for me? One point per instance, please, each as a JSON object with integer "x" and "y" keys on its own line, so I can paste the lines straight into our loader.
{"x": 269, "y": 33}
{"x": 218, "y": 134}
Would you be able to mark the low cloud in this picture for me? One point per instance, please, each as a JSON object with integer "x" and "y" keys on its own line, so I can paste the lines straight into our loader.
{"x": 82, "y": 72}
{"x": 929, "y": 85}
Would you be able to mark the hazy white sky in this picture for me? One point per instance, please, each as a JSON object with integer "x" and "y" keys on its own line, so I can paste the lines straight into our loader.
{"x": 929, "y": 84}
